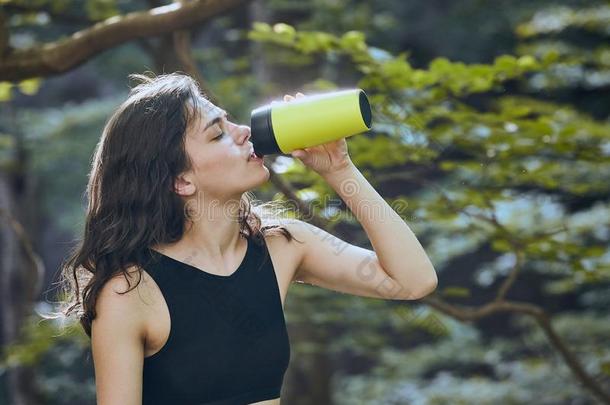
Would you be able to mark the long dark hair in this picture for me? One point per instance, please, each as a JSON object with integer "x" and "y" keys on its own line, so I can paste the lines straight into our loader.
{"x": 131, "y": 200}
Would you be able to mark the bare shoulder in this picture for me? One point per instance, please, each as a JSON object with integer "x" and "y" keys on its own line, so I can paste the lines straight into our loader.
{"x": 128, "y": 298}
{"x": 287, "y": 254}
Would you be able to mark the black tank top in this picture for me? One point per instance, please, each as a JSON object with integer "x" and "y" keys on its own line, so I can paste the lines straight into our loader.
{"x": 228, "y": 343}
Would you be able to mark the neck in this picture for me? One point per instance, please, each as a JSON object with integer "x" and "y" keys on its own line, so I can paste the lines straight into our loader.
{"x": 211, "y": 227}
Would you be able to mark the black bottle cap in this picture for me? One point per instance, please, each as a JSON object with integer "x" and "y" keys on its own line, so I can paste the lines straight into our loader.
{"x": 263, "y": 138}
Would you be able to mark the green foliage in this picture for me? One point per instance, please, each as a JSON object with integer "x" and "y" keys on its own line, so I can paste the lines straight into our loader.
{"x": 39, "y": 336}
{"x": 476, "y": 157}
{"x": 28, "y": 87}
{"x": 554, "y": 20}
{"x": 482, "y": 168}
{"x": 550, "y": 34}
{"x": 61, "y": 352}
{"x": 507, "y": 371}
{"x": 101, "y": 9}
{"x": 61, "y": 142}
{"x": 389, "y": 74}
{"x": 486, "y": 156}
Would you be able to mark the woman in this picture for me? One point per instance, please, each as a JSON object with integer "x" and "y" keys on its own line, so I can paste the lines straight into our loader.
{"x": 184, "y": 280}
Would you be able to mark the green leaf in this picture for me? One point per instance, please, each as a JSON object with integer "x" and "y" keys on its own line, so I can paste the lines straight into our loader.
{"x": 353, "y": 40}
{"x": 5, "y": 91}
{"x": 284, "y": 29}
{"x": 455, "y": 292}
{"x": 527, "y": 62}
{"x": 30, "y": 86}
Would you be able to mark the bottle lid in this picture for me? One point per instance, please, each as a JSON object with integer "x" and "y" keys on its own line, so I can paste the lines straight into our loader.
{"x": 263, "y": 138}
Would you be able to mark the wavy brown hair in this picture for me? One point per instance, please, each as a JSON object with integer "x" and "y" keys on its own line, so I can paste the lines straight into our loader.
{"x": 131, "y": 200}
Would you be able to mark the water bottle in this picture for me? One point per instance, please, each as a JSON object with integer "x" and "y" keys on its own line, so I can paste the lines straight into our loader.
{"x": 281, "y": 127}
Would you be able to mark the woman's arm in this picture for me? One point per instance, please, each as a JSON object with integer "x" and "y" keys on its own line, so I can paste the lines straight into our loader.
{"x": 117, "y": 340}
{"x": 396, "y": 247}
{"x": 399, "y": 268}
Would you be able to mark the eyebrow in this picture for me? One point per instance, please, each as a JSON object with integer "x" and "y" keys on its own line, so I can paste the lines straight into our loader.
{"x": 216, "y": 120}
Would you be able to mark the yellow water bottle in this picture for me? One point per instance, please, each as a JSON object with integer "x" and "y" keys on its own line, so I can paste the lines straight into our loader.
{"x": 281, "y": 127}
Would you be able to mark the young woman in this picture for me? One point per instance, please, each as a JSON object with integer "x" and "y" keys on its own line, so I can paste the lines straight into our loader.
{"x": 180, "y": 281}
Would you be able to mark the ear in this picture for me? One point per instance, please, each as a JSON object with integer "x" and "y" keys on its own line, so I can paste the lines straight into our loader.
{"x": 184, "y": 186}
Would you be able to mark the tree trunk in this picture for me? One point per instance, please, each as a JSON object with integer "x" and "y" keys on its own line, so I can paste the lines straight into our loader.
{"x": 20, "y": 281}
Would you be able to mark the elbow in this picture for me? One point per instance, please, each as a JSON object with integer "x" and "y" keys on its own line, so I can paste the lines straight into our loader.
{"x": 431, "y": 286}
{"x": 425, "y": 288}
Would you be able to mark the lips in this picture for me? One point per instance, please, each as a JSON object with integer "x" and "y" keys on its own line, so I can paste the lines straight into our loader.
{"x": 253, "y": 155}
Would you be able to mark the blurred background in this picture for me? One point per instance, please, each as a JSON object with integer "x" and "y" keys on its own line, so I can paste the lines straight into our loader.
{"x": 491, "y": 138}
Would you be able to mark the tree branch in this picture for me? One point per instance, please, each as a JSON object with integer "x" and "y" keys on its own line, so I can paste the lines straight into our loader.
{"x": 65, "y": 54}
{"x": 499, "y": 304}
{"x": 512, "y": 276}
{"x": 467, "y": 314}
{"x": 4, "y": 34}
{"x": 286, "y": 188}
{"x": 182, "y": 48}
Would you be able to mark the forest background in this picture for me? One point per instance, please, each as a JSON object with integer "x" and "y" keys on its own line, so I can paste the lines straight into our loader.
{"x": 491, "y": 138}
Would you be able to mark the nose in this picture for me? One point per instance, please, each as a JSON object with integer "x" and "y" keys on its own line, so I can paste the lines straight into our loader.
{"x": 244, "y": 133}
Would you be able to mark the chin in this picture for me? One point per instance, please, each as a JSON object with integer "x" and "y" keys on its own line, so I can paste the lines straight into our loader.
{"x": 267, "y": 175}
{"x": 260, "y": 178}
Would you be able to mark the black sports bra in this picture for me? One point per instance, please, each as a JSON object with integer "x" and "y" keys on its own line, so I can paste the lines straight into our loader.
{"x": 228, "y": 343}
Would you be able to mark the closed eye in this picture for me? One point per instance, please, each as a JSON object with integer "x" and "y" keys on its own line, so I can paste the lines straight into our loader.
{"x": 219, "y": 136}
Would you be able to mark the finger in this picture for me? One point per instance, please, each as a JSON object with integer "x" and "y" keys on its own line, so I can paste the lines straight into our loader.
{"x": 300, "y": 95}
{"x": 288, "y": 97}
{"x": 298, "y": 153}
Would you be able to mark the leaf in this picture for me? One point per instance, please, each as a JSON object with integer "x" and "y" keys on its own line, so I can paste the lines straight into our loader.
{"x": 284, "y": 29}
{"x": 527, "y": 62}
{"x": 5, "y": 91}
{"x": 455, "y": 292}
{"x": 506, "y": 63}
{"x": 353, "y": 40}
{"x": 30, "y": 86}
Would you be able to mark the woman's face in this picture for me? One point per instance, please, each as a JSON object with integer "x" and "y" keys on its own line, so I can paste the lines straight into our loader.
{"x": 219, "y": 151}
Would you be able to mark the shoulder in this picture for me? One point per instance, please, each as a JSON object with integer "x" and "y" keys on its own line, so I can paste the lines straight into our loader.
{"x": 121, "y": 301}
{"x": 300, "y": 230}
{"x": 306, "y": 242}
{"x": 286, "y": 253}
{"x": 295, "y": 227}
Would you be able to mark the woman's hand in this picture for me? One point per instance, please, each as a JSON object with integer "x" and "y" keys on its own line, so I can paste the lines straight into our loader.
{"x": 324, "y": 159}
